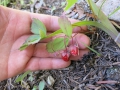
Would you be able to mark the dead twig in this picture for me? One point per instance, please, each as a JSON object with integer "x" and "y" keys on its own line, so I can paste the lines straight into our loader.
{"x": 108, "y": 82}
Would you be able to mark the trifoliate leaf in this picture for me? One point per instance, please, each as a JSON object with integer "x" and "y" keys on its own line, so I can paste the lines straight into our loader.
{"x": 57, "y": 44}
{"x": 65, "y": 25}
{"x": 38, "y": 26}
{"x": 31, "y": 40}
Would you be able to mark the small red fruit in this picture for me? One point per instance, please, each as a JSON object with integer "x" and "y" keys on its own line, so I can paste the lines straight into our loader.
{"x": 74, "y": 51}
{"x": 65, "y": 56}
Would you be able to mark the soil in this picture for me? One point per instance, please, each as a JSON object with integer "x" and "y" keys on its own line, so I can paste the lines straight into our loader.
{"x": 91, "y": 73}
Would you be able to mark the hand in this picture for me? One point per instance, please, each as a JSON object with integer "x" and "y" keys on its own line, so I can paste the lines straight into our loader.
{"x": 14, "y": 30}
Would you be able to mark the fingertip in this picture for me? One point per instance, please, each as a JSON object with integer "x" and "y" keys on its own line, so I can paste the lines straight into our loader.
{"x": 61, "y": 64}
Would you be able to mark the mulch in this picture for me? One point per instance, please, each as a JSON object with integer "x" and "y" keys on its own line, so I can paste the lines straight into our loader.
{"x": 91, "y": 73}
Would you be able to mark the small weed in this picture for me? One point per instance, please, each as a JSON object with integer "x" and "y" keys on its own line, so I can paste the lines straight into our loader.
{"x": 60, "y": 43}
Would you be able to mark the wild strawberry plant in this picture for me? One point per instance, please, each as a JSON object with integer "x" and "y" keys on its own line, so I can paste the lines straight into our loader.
{"x": 62, "y": 42}
{"x": 62, "y": 38}
{"x": 39, "y": 32}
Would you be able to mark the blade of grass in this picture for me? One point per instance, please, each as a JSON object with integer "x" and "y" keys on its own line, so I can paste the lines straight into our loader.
{"x": 99, "y": 25}
{"x": 70, "y": 3}
{"x": 114, "y": 11}
{"x": 92, "y": 23}
{"x": 101, "y": 7}
{"x": 104, "y": 20}
{"x": 91, "y": 49}
{"x": 102, "y": 17}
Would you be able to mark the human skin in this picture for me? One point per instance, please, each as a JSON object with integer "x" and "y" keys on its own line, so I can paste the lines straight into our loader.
{"x": 15, "y": 29}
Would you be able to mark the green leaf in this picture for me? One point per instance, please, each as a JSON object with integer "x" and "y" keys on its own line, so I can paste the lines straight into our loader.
{"x": 31, "y": 40}
{"x": 42, "y": 34}
{"x": 65, "y": 26}
{"x": 21, "y": 77}
{"x": 38, "y": 26}
{"x": 42, "y": 85}
{"x": 57, "y": 44}
{"x": 70, "y": 3}
{"x": 39, "y": 30}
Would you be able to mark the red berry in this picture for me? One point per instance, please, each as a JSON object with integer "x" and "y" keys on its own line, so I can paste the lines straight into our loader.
{"x": 65, "y": 56}
{"x": 74, "y": 51}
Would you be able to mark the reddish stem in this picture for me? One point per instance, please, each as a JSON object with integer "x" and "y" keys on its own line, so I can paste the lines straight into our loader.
{"x": 65, "y": 44}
